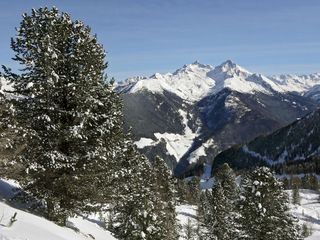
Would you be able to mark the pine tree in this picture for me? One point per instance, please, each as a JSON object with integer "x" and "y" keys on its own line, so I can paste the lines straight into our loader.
{"x": 181, "y": 190}
{"x": 193, "y": 190}
{"x": 221, "y": 218}
{"x": 306, "y": 181}
{"x": 264, "y": 208}
{"x": 165, "y": 187}
{"x": 295, "y": 182}
{"x": 306, "y": 230}
{"x": 67, "y": 118}
{"x": 296, "y": 196}
{"x": 220, "y": 221}
{"x": 314, "y": 183}
{"x": 139, "y": 212}
{"x": 225, "y": 175}
{"x": 286, "y": 183}
{"x": 203, "y": 214}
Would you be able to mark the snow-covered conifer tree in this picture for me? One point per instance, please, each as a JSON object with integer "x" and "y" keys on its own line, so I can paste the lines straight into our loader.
{"x": 264, "y": 208}
{"x": 67, "y": 118}
{"x": 220, "y": 223}
{"x": 139, "y": 212}
{"x": 164, "y": 184}
{"x": 225, "y": 175}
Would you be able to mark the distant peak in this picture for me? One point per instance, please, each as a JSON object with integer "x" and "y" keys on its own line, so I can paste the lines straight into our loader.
{"x": 156, "y": 76}
{"x": 228, "y": 64}
{"x": 230, "y": 67}
{"x": 194, "y": 67}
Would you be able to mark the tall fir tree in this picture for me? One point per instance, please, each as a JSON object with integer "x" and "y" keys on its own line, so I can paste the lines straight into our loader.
{"x": 296, "y": 195}
{"x": 203, "y": 214}
{"x": 165, "y": 186}
{"x": 225, "y": 175}
{"x": 139, "y": 212}
{"x": 264, "y": 208}
{"x": 220, "y": 221}
{"x": 193, "y": 193}
{"x": 182, "y": 190}
{"x": 67, "y": 118}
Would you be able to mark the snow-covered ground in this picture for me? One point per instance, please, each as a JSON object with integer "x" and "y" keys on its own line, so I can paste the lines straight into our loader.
{"x": 31, "y": 227}
{"x": 308, "y": 211}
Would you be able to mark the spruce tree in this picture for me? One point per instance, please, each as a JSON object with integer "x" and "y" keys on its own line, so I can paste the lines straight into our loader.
{"x": 194, "y": 190}
{"x": 296, "y": 196}
{"x": 225, "y": 175}
{"x": 264, "y": 208}
{"x": 203, "y": 214}
{"x": 314, "y": 183}
{"x": 165, "y": 186}
{"x": 67, "y": 118}
{"x": 182, "y": 190}
{"x": 220, "y": 222}
{"x": 139, "y": 212}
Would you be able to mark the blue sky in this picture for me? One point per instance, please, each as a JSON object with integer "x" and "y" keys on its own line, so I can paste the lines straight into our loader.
{"x": 147, "y": 36}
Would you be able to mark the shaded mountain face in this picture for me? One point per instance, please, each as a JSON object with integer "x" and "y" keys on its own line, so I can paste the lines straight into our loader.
{"x": 189, "y": 116}
{"x": 285, "y": 150}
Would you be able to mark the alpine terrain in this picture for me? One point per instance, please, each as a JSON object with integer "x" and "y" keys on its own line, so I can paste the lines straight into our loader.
{"x": 189, "y": 116}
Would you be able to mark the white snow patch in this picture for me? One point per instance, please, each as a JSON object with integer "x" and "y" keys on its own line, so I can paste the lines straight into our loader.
{"x": 178, "y": 144}
{"x": 144, "y": 142}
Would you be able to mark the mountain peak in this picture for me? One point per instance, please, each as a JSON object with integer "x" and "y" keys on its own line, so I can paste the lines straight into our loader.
{"x": 228, "y": 63}
{"x": 228, "y": 69}
{"x": 194, "y": 67}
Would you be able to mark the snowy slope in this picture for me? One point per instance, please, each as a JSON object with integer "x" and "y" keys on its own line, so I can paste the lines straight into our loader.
{"x": 308, "y": 211}
{"x": 32, "y": 227}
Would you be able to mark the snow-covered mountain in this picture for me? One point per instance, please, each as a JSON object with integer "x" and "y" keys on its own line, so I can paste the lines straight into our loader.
{"x": 194, "y": 81}
{"x": 192, "y": 114}
{"x": 190, "y": 82}
{"x": 297, "y": 83}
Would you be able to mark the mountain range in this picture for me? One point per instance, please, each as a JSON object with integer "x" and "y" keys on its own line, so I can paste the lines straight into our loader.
{"x": 191, "y": 115}
{"x": 293, "y": 149}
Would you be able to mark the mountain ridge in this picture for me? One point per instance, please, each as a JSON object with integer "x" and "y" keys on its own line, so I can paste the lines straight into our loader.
{"x": 288, "y": 146}
{"x": 200, "y": 80}
{"x": 191, "y": 115}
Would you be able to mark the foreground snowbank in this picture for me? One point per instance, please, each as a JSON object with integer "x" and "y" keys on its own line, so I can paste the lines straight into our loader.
{"x": 32, "y": 227}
